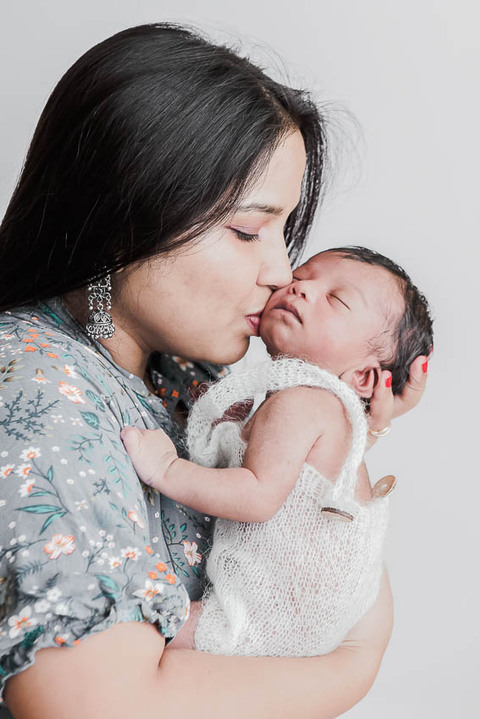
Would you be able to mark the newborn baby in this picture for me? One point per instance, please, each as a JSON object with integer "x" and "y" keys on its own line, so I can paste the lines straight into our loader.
{"x": 297, "y": 554}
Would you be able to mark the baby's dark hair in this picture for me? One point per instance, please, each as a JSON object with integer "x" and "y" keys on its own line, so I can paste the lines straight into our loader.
{"x": 413, "y": 334}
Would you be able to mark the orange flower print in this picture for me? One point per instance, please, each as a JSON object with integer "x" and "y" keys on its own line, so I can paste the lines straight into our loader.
{"x": 52, "y": 354}
{"x": 69, "y": 370}
{"x": 130, "y": 553}
{"x": 153, "y": 575}
{"x": 148, "y": 550}
{"x": 190, "y": 551}
{"x": 134, "y": 517}
{"x": 161, "y": 567}
{"x": 183, "y": 363}
{"x": 170, "y": 578}
{"x": 21, "y": 622}
{"x": 30, "y": 348}
{"x": 6, "y": 470}
{"x": 30, "y": 453}
{"x": 71, "y": 392}
{"x": 58, "y": 545}
{"x": 61, "y": 639}
{"x": 44, "y": 345}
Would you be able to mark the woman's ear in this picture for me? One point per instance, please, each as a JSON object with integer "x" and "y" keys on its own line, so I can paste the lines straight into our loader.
{"x": 362, "y": 381}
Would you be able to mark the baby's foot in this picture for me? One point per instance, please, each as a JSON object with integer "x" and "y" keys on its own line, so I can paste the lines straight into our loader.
{"x": 151, "y": 451}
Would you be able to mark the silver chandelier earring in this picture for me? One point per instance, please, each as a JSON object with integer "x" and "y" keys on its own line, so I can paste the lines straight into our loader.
{"x": 100, "y": 323}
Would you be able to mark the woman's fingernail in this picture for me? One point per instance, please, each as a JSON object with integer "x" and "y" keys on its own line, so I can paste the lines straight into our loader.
{"x": 388, "y": 381}
{"x": 425, "y": 367}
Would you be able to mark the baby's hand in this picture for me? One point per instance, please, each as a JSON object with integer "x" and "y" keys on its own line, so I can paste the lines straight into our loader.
{"x": 151, "y": 451}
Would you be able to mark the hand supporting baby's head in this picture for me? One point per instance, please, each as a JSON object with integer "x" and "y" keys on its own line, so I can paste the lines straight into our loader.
{"x": 354, "y": 312}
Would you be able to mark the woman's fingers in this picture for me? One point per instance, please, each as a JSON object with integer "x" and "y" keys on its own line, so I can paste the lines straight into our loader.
{"x": 413, "y": 391}
{"x": 381, "y": 404}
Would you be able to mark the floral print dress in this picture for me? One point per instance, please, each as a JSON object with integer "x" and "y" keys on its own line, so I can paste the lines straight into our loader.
{"x": 83, "y": 544}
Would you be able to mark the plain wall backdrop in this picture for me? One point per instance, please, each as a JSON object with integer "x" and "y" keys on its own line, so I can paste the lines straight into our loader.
{"x": 407, "y": 186}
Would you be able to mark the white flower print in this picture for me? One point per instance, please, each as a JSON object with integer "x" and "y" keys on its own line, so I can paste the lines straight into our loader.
{"x": 58, "y": 545}
{"x": 30, "y": 453}
{"x": 81, "y": 505}
{"x": 21, "y": 622}
{"x": 6, "y": 470}
{"x": 115, "y": 562}
{"x": 150, "y": 591}
{"x": 190, "y": 550}
{"x": 26, "y": 487}
{"x": 58, "y": 418}
{"x": 41, "y": 379}
{"x": 70, "y": 371}
{"x": 53, "y": 595}
{"x": 24, "y": 470}
{"x": 71, "y": 392}
{"x": 42, "y": 606}
{"x": 135, "y": 518}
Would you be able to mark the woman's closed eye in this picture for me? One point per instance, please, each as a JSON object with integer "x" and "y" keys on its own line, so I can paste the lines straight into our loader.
{"x": 244, "y": 236}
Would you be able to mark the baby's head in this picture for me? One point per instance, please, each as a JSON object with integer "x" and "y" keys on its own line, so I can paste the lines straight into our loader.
{"x": 354, "y": 312}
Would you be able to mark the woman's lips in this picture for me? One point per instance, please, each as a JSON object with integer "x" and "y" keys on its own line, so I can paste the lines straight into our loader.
{"x": 254, "y": 322}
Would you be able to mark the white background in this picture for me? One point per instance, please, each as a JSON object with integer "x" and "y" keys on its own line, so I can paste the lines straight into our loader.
{"x": 409, "y": 72}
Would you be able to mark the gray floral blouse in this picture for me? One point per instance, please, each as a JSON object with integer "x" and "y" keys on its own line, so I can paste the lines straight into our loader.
{"x": 83, "y": 544}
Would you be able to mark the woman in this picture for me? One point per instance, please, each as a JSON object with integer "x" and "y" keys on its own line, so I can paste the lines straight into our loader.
{"x": 165, "y": 182}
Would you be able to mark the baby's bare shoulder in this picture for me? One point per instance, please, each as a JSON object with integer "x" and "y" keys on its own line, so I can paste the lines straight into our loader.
{"x": 310, "y": 404}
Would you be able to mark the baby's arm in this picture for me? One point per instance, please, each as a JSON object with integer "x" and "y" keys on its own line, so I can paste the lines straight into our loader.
{"x": 283, "y": 431}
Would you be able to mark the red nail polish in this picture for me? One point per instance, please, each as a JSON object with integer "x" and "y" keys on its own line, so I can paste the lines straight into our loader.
{"x": 425, "y": 367}
{"x": 388, "y": 381}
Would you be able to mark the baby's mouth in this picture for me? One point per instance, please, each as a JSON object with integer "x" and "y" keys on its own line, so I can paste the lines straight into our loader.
{"x": 288, "y": 307}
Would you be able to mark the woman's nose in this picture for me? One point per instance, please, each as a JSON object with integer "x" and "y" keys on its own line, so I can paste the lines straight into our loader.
{"x": 275, "y": 271}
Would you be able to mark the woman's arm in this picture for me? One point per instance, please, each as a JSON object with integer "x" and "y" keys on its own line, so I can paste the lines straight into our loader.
{"x": 123, "y": 672}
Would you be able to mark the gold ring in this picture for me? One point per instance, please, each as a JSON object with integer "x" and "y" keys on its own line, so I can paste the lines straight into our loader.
{"x": 380, "y": 432}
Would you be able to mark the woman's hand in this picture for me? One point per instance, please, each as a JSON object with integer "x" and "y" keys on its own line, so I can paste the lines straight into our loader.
{"x": 384, "y": 406}
{"x": 152, "y": 453}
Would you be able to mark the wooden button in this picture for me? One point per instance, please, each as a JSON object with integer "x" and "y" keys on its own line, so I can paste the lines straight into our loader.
{"x": 384, "y": 486}
{"x": 338, "y": 514}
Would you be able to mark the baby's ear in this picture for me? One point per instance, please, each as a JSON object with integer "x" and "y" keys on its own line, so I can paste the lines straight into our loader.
{"x": 363, "y": 381}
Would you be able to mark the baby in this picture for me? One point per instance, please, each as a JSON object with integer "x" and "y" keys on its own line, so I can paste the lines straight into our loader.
{"x": 297, "y": 554}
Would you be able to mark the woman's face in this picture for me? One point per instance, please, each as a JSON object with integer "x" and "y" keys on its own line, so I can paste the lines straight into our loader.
{"x": 204, "y": 302}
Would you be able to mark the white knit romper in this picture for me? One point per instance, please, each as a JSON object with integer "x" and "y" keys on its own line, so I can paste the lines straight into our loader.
{"x": 294, "y": 585}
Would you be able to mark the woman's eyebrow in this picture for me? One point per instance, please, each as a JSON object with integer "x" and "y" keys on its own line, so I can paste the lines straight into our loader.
{"x": 258, "y": 207}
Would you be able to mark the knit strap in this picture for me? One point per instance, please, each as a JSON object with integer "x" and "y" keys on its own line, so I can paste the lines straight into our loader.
{"x": 273, "y": 376}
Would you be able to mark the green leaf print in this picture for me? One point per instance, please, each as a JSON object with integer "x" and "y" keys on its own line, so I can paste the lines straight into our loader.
{"x": 47, "y": 523}
{"x": 31, "y": 637}
{"x": 49, "y": 475}
{"x": 91, "y": 419}
{"x": 40, "y": 509}
{"x": 97, "y": 401}
{"x": 108, "y": 586}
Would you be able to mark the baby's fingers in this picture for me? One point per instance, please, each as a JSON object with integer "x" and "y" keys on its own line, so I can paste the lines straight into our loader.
{"x": 413, "y": 391}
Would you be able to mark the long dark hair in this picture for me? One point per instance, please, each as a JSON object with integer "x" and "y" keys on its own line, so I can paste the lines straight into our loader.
{"x": 150, "y": 138}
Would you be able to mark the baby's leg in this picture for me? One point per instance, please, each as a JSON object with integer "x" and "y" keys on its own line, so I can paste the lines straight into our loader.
{"x": 185, "y": 637}
{"x": 151, "y": 451}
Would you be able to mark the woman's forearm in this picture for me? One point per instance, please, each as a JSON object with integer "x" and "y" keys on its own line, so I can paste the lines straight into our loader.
{"x": 124, "y": 671}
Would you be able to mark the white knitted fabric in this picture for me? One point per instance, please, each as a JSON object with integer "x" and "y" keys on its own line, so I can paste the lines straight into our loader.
{"x": 295, "y": 585}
